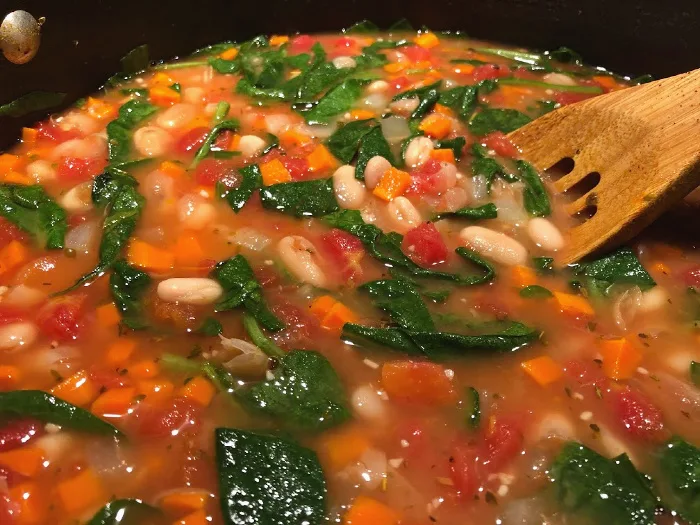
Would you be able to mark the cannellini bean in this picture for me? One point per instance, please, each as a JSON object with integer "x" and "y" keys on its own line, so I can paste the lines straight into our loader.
{"x": 194, "y": 212}
{"x": 545, "y": 235}
{"x": 559, "y": 78}
{"x": 78, "y": 199}
{"x": 152, "y": 141}
{"x": 298, "y": 254}
{"x": 376, "y": 167}
{"x": 189, "y": 290}
{"x": 251, "y": 146}
{"x": 455, "y": 198}
{"x": 367, "y": 403}
{"x": 494, "y": 245}
{"x": 418, "y": 151}
{"x": 177, "y": 116}
{"x": 158, "y": 186}
{"x": 344, "y": 62}
{"x": 446, "y": 178}
{"x": 349, "y": 191}
{"x": 193, "y": 95}
{"x": 23, "y": 296}
{"x": 653, "y": 299}
{"x": 41, "y": 171}
{"x": 15, "y": 335}
{"x": 250, "y": 238}
{"x": 376, "y": 102}
{"x": 277, "y": 123}
{"x": 378, "y": 86}
{"x": 55, "y": 445}
{"x": 77, "y": 120}
{"x": 91, "y": 147}
{"x": 210, "y": 108}
{"x": 405, "y": 106}
{"x": 403, "y": 215}
{"x": 678, "y": 359}
{"x": 554, "y": 425}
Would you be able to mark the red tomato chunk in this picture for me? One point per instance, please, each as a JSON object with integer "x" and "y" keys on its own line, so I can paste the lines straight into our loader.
{"x": 425, "y": 246}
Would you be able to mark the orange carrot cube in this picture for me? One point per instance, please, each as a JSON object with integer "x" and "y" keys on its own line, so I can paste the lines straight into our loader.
{"x": 544, "y": 370}
{"x": 274, "y": 172}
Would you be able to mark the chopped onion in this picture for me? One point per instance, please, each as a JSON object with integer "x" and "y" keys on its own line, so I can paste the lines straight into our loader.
{"x": 395, "y": 129}
{"x": 377, "y": 102}
{"x": 250, "y": 361}
{"x": 83, "y": 238}
{"x": 276, "y": 123}
{"x": 367, "y": 403}
{"x": 62, "y": 359}
{"x": 55, "y": 446}
{"x": 525, "y": 512}
{"x": 625, "y": 307}
{"x": 554, "y": 425}
{"x": 107, "y": 457}
{"x": 320, "y": 131}
{"x": 250, "y": 238}
{"x": 376, "y": 465}
{"x": 510, "y": 211}
{"x": 479, "y": 188}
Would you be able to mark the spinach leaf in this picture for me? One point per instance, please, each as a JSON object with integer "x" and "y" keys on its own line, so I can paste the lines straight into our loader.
{"x": 372, "y": 144}
{"x": 487, "y": 211}
{"x": 338, "y": 100}
{"x": 305, "y": 393}
{"x": 213, "y": 49}
{"x": 241, "y": 288}
{"x": 220, "y": 113}
{"x": 309, "y": 198}
{"x": 535, "y": 197}
{"x": 486, "y": 166}
{"x": 462, "y": 100}
{"x": 565, "y": 55}
{"x": 456, "y": 145}
{"x": 50, "y": 409}
{"x": 619, "y": 267}
{"x": 211, "y": 327}
{"x": 225, "y": 67}
{"x": 128, "y": 286}
{"x": 680, "y": 465}
{"x": 473, "y": 408}
{"x": 401, "y": 300}
{"x": 136, "y": 60}
{"x": 394, "y": 338}
{"x": 497, "y": 119}
{"x": 137, "y": 92}
{"x": 246, "y": 87}
{"x": 518, "y": 56}
{"x": 314, "y": 81}
{"x": 543, "y": 264}
{"x": 203, "y": 151}
{"x": 259, "y": 339}
{"x": 535, "y": 291}
{"x": 127, "y": 512}
{"x": 30, "y": 208}
{"x": 363, "y": 27}
{"x": 605, "y": 490}
{"x": 119, "y": 130}
{"x": 266, "y": 479}
{"x": 31, "y": 102}
{"x": 108, "y": 184}
{"x": 401, "y": 25}
{"x": 251, "y": 180}
{"x": 345, "y": 141}
{"x": 694, "y": 371}
{"x": 427, "y": 98}
{"x": 593, "y": 90}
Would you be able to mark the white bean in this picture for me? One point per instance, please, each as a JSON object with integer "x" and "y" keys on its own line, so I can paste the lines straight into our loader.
{"x": 55, "y": 446}
{"x": 251, "y": 146}
{"x": 78, "y": 199}
{"x": 678, "y": 359}
{"x": 92, "y": 146}
{"x": 349, "y": 191}
{"x": 152, "y": 141}
{"x": 193, "y": 95}
{"x": 445, "y": 178}
{"x": 559, "y": 78}
{"x": 77, "y": 120}
{"x": 376, "y": 167}
{"x": 194, "y": 212}
{"x": 158, "y": 186}
{"x": 555, "y": 425}
{"x": 418, "y": 151}
{"x": 455, "y": 198}
{"x": 177, "y": 116}
{"x": 378, "y": 86}
{"x": 403, "y": 215}
{"x": 277, "y": 123}
{"x": 190, "y": 290}
{"x": 344, "y": 62}
{"x": 494, "y": 245}
{"x": 298, "y": 254}
{"x": 367, "y": 404}
{"x": 15, "y": 335}
{"x": 41, "y": 171}
{"x": 24, "y": 296}
{"x": 654, "y": 299}
{"x": 405, "y": 106}
{"x": 545, "y": 235}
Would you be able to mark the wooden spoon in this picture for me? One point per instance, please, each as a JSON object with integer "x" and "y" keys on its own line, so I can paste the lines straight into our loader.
{"x": 643, "y": 142}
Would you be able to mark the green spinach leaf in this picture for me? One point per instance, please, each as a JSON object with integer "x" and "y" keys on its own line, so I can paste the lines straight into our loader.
{"x": 427, "y": 96}
{"x": 535, "y": 291}
{"x": 401, "y": 300}
{"x": 309, "y": 198}
{"x": 336, "y": 101}
{"x": 127, "y": 512}
{"x": 479, "y": 213}
{"x": 619, "y": 267}
{"x": 473, "y": 408}
{"x": 456, "y": 145}
{"x": 345, "y": 141}
{"x": 680, "y": 465}
{"x": 136, "y": 60}
{"x": 497, "y": 119}
{"x": 251, "y": 180}
{"x": 203, "y": 151}
{"x": 372, "y": 144}
{"x": 128, "y": 286}
{"x": 535, "y": 197}
{"x": 30, "y": 208}
{"x": 31, "y": 102}
{"x": 211, "y": 327}
{"x": 119, "y": 130}
{"x": 462, "y": 100}
{"x": 694, "y": 371}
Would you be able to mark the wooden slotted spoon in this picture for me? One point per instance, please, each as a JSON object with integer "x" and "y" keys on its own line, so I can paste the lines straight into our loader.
{"x": 644, "y": 142}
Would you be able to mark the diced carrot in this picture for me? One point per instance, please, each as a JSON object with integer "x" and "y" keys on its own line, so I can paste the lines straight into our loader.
{"x": 79, "y": 389}
{"x": 156, "y": 390}
{"x": 29, "y": 136}
{"x": 183, "y": 502}
{"x": 81, "y": 492}
{"x": 146, "y": 369}
{"x": 463, "y": 69}
{"x": 542, "y": 369}
{"x": 293, "y": 138}
{"x": 120, "y": 351}
{"x": 25, "y": 460}
{"x": 198, "y": 517}
{"x": 523, "y": 276}
{"x": 443, "y": 155}
{"x": 32, "y": 503}
{"x": 278, "y": 40}
{"x": 512, "y": 95}
{"x": 163, "y": 96}
{"x": 115, "y": 401}
{"x": 100, "y": 109}
{"x": 199, "y": 390}
{"x": 608, "y": 82}
{"x": 620, "y": 358}
{"x": 392, "y": 184}
{"x": 12, "y": 256}
{"x": 15, "y": 177}
{"x": 417, "y": 382}
{"x": 234, "y": 142}
{"x": 108, "y": 315}
{"x": 336, "y": 318}
{"x": 574, "y": 304}
{"x": 161, "y": 79}
{"x": 320, "y": 159}
{"x": 229, "y": 54}
{"x": 172, "y": 169}
{"x": 361, "y": 114}
{"x": 9, "y": 162}
{"x": 274, "y": 172}
{"x": 427, "y": 40}
{"x": 660, "y": 267}
{"x": 10, "y": 376}
{"x": 149, "y": 257}
{"x": 200, "y": 121}
{"x": 443, "y": 110}
{"x": 340, "y": 448}
{"x": 188, "y": 251}
{"x": 38, "y": 153}
{"x": 436, "y": 126}
{"x": 369, "y": 511}
{"x": 395, "y": 67}
{"x": 322, "y": 305}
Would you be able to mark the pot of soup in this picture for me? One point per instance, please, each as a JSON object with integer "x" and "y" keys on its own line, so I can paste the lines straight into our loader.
{"x": 256, "y": 269}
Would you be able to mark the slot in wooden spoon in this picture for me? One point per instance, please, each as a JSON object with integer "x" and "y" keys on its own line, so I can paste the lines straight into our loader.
{"x": 643, "y": 141}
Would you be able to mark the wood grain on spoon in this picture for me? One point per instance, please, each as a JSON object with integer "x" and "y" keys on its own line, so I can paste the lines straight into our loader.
{"x": 644, "y": 142}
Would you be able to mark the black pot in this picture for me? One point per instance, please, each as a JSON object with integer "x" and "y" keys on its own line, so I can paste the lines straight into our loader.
{"x": 82, "y": 40}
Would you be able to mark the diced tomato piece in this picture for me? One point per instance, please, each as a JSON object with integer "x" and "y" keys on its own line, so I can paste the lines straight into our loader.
{"x": 266, "y": 276}
{"x": 637, "y": 414}
{"x": 346, "y": 251}
{"x": 108, "y": 378}
{"x": 464, "y": 466}
{"x": 400, "y": 83}
{"x": 222, "y": 140}
{"x": 9, "y": 232}
{"x": 565, "y": 98}
{"x": 500, "y": 143}
{"x": 300, "y": 325}
{"x": 428, "y": 179}
{"x": 298, "y": 168}
{"x": 51, "y": 131}
{"x": 191, "y": 141}
{"x": 344, "y": 42}
{"x": 8, "y": 509}
{"x": 18, "y": 432}
{"x": 179, "y": 314}
{"x": 417, "y": 382}
{"x": 300, "y": 44}
{"x": 180, "y": 416}
{"x": 424, "y": 245}
{"x": 415, "y": 53}
{"x": 503, "y": 442}
{"x": 76, "y": 219}
{"x": 691, "y": 276}
{"x": 11, "y": 314}
{"x": 62, "y": 318}
{"x": 210, "y": 171}
{"x": 490, "y": 72}
{"x": 75, "y": 170}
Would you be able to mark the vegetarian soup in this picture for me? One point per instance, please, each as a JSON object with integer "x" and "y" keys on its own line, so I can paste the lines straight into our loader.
{"x": 307, "y": 279}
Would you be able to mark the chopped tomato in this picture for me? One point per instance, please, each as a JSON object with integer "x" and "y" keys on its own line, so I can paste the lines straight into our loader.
{"x": 691, "y": 276}
{"x": 565, "y": 98}
{"x": 344, "y": 42}
{"x": 51, "y": 131}
{"x": 210, "y": 171}
{"x": 489, "y": 72}
{"x": 300, "y": 325}
{"x": 500, "y": 143}
{"x": 346, "y": 251}
{"x": 17, "y": 432}
{"x": 179, "y": 314}
{"x": 428, "y": 178}
{"x": 76, "y": 170}
{"x": 400, "y": 83}
{"x": 300, "y": 44}
{"x": 62, "y": 318}
{"x": 298, "y": 168}
{"x": 637, "y": 414}
{"x": 416, "y": 53}
{"x": 107, "y": 378}
{"x": 11, "y": 314}
{"x": 180, "y": 417}
{"x": 417, "y": 382}
{"x": 425, "y": 246}
{"x": 222, "y": 140}
{"x": 191, "y": 141}
{"x": 9, "y": 232}
{"x": 8, "y": 509}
